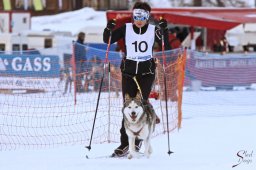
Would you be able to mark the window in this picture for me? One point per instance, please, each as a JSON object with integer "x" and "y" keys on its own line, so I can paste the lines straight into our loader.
{"x": 2, "y": 47}
{"x": 48, "y": 43}
{"x": 7, "y": 5}
{"x": 51, "y": 5}
{"x": 24, "y": 47}
{"x": 24, "y": 20}
{"x": 38, "y": 5}
{"x": 16, "y": 47}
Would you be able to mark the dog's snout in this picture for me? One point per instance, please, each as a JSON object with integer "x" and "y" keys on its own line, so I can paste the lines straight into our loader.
{"x": 133, "y": 113}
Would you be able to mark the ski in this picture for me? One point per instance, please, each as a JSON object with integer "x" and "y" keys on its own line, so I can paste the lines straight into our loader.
{"x": 106, "y": 157}
{"x": 112, "y": 156}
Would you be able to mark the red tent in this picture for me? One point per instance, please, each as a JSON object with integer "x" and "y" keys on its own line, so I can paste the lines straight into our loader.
{"x": 213, "y": 18}
{"x": 221, "y": 19}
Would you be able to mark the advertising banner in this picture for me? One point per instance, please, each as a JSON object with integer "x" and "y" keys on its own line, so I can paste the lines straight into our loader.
{"x": 29, "y": 66}
{"x": 221, "y": 70}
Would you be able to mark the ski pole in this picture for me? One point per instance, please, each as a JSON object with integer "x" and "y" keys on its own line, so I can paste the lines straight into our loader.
{"x": 101, "y": 82}
{"x": 165, "y": 89}
{"x": 109, "y": 101}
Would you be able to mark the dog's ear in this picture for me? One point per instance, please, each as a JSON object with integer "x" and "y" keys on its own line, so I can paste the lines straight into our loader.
{"x": 138, "y": 96}
{"x": 127, "y": 97}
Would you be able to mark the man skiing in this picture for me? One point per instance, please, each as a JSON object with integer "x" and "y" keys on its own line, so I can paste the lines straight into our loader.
{"x": 139, "y": 37}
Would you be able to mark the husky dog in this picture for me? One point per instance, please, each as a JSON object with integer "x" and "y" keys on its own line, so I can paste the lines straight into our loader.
{"x": 139, "y": 122}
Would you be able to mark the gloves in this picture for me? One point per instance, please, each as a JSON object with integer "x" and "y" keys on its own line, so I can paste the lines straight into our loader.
{"x": 162, "y": 23}
{"x": 111, "y": 24}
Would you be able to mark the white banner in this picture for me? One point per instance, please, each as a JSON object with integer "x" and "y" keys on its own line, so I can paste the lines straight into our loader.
{"x": 27, "y": 83}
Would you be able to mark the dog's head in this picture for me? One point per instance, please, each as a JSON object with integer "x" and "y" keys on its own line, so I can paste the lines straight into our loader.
{"x": 133, "y": 108}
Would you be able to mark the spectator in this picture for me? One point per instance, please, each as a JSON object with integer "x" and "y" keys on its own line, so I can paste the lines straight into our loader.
{"x": 173, "y": 40}
{"x": 68, "y": 80}
{"x": 223, "y": 45}
{"x": 115, "y": 79}
{"x": 200, "y": 43}
{"x": 96, "y": 71}
{"x": 67, "y": 72}
{"x": 80, "y": 61}
{"x": 216, "y": 46}
{"x": 181, "y": 34}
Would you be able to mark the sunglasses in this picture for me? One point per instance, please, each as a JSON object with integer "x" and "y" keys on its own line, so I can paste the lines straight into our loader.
{"x": 137, "y": 18}
{"x": 140, "y": 15}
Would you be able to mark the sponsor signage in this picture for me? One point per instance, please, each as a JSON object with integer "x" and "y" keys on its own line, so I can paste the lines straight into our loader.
{"x": 48, "y": 84}
{"x": 221, "y": 70}
{"x": 29, "y": 65}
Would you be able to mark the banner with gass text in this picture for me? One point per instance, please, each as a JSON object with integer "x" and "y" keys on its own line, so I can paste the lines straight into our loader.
{"x": 34, "y": 72}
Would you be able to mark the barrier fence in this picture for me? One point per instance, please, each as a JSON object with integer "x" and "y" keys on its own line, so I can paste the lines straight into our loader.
{"x": 42, "y": 106}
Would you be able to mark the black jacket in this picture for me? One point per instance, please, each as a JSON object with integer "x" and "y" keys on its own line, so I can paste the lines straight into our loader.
{"x": 132, "y": 67}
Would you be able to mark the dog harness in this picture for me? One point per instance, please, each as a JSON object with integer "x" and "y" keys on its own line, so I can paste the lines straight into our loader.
{"x": 137, "y": 133}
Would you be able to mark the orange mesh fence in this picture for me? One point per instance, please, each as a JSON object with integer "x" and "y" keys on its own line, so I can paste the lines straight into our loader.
{"x": 45, "y": 103}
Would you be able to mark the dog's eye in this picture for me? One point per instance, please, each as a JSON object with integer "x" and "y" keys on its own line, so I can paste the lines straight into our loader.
{"x": 129, "y": 107}
{"x": 136, "y": 107}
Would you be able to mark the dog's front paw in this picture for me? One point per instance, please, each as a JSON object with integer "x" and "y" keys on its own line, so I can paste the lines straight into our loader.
{"x": 150, "y": 150}
{"x": 133, "y": 155}
{"x": 147, "y": 154}
{"x": 129, "y": 156}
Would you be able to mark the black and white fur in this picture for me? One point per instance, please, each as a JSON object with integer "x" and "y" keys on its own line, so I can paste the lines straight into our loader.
{"x": 139, "y": 123}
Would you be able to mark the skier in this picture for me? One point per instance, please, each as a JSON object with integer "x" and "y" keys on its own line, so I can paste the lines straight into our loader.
{"x": 139, "y": 37}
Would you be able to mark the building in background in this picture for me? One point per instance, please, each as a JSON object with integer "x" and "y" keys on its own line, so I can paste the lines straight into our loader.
{"x": 48, "y": 7}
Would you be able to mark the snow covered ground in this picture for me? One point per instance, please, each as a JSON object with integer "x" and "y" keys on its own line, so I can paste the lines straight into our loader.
{"x": 217, "y": 132}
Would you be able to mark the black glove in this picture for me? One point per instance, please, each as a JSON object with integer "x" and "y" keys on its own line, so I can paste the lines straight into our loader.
{"x": 162, "y": 23}
{"x": 111, "y": 24}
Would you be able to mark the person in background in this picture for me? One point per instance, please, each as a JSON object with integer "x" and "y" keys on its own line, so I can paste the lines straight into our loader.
{"x": 200, "y": 43}
{"x": 223, "y": 45}
{"x": 95, "y": 73}
{"x": 68, "y": 80}
{"x": 175, "y": 43}
{"x": 216, "y": 46}
{"x": 80, "y": 61}
{"x": 139, "y": 37}
{"x": 115, "y": 79}
{"x": 173, "y": 40}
